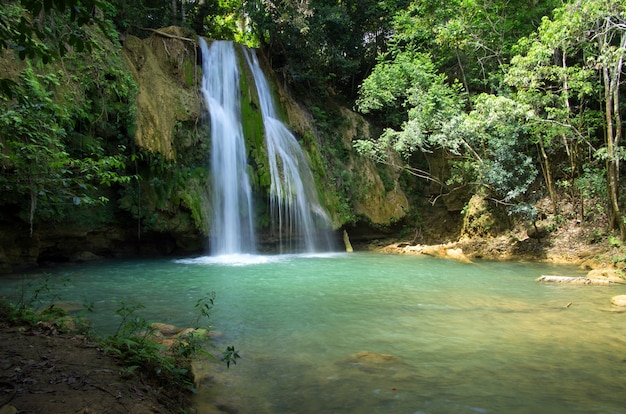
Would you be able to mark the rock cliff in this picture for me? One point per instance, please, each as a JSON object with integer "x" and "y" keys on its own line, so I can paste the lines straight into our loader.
{"x": 166, "y": 208}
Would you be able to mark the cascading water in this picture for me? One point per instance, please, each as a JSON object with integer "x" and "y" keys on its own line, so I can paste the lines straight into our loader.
{"x": 301, "y": 222}
{"x": 232, "y": 230}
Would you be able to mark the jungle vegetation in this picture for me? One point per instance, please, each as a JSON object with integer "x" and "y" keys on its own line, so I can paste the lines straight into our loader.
{"x": 523, "y": 99}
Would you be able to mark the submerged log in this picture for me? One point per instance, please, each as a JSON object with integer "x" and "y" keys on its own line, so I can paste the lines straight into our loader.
{"x": 572, "y": 280}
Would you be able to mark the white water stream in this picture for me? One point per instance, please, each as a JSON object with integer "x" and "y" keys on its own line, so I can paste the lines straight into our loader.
{"x": 301, "y": 223}
{"x": 232, "y": 229}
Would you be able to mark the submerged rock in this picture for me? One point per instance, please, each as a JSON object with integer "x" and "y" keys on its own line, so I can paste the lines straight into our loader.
{"x": 366, "y": 357}
{"x": 166, "y": 329}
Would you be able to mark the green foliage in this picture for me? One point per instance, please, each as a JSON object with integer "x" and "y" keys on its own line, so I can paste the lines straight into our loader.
{"x": 26, "y": 28}
{"x": 590, "y": 183}
{"x": 558, "y": 93}
{"x": 204, "y": 306}
{"x": 33, "y": 305}
{"x": 134, "y": 341}
{"x": 615, "y": 242}
{"x": 52, "y": 318}
{"x": 491, "y": 143}
{"x": 166, "y": 188}
{"x": 482, "y": 35}
{"x": 64, "y": 125}
{"x": 407, "y": 93}
{"x": 320, "y": 43}
{"x": 416, "y": 25}
{"x": 134, "y": 16}
{"x": 567, "y": 72}
{"x": 136, "y": 345}
{"x": 38, "y": 168}
{"x": 230, "y": 356}
{"x": 33, "y": 295}
{"x": 223, "y": 19}
{"x": 49, "y": 30}
{"x": 389, "y": 86}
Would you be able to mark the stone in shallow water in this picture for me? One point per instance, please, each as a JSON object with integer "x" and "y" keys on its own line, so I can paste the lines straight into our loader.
{"x": 619, "y": 300}
{"x": 612, "y": 275}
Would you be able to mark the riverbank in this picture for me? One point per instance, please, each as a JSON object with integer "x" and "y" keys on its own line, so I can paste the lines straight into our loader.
{"x": 46, "y": 371}
{"x": 567, "y": 246}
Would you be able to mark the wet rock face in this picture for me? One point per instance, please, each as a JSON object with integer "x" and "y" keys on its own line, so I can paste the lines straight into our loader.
{"x": 53, "y": 245}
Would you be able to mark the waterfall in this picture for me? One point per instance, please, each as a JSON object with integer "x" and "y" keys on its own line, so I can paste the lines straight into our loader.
{"x": 232, "y": 229}
{"x": 300, "y": 221}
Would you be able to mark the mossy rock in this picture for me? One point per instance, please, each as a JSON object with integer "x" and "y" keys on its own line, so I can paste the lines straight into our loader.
{"x": 162, "y": 67}
{"x": 481, "y": 219}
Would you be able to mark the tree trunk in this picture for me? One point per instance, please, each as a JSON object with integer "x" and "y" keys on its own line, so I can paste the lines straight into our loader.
{"x": 611, "y": 139}
{"x": 611, "y": 72}
{"x": 465, "y": 83}
{"x": 547, "y": 176}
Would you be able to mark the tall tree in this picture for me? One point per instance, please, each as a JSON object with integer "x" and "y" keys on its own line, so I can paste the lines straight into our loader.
{"x": 581, "y": 48}
{"x": 550, "y": 76}
{"x": 482, "y": 33}
{"x": 608, "y": 31}
{"x": 323, "y": 45}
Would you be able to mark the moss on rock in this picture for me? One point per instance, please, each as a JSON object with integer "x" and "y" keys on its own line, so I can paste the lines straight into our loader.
{"x": 162, "y": 67}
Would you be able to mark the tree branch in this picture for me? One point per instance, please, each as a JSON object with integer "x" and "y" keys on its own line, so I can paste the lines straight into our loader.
{"x": 160, "y": 33}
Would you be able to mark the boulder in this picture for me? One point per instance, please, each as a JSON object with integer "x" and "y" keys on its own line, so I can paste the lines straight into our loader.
{"x": 445, "y": 252}
{"x": 166, "y": 329}
{"x": 612, "y": 275}
{"x": 619, "y": 300}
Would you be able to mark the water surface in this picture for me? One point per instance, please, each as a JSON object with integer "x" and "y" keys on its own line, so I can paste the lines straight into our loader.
{"x": 368, "y": 333}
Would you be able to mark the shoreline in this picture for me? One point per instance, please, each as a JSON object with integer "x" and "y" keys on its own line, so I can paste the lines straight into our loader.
{"x": 586, "y": 256}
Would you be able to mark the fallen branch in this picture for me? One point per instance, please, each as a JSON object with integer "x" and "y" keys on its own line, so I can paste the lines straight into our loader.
{"x": 160, "y": 33}
{"x": 572, "y": 280}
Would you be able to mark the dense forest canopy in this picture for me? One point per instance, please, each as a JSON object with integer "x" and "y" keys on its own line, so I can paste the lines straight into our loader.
{"x": 523, "y": 99}
{"x": 520, "y": 90}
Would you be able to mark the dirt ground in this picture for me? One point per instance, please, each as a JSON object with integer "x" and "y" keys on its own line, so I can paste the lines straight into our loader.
{"x": 43, "y": 371}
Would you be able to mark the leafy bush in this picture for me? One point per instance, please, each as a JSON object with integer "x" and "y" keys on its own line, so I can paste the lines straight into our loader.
{"x": 137, "y": 345}
{"x": 491, "y": 144}
{"x": 135, "y": 342}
